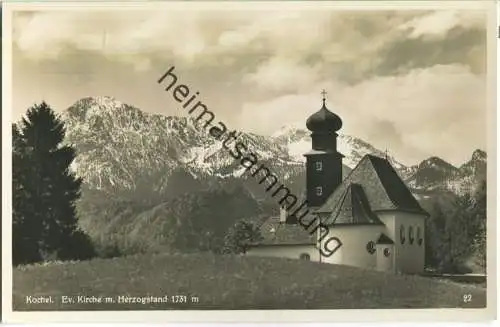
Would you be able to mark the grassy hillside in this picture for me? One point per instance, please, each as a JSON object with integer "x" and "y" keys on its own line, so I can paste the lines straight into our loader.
{"x": 231, "y": 282}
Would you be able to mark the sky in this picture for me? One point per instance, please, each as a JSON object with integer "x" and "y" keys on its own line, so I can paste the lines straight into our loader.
{"x": 409, "y": 81}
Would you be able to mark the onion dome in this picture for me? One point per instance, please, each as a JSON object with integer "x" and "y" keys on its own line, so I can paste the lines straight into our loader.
{"x": 324, "y": 121}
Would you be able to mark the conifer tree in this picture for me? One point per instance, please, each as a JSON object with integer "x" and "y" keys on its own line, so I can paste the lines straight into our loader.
{"x": 50, "y": 189}
{"x": 26, "y": 227}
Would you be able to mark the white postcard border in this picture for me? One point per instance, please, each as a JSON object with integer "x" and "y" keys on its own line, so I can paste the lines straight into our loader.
{"x": 269, "y": 316}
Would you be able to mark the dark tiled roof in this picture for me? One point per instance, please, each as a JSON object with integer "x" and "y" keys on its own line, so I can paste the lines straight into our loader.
{"x": 353, "y": 209}
{"x": 384, "y": 239}
{"x": 383, "y": 188}
{"x": 274, "y": 232}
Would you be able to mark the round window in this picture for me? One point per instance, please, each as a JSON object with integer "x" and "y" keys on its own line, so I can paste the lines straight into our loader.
{"x": 370, "y": 247}
{"x": 387, "y": 252}
{"x": 305, "y": 256}
{"x": 402, "y": 236}
{"x": 411, "y": 235}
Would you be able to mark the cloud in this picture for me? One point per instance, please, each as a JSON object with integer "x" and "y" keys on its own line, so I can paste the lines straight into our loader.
{"x": 419, "y": 114}
{"x": 121, "y": 35}
{"x": 269, "y": 115}
{"x": 351, "y": 45}
{"x": 438, "y": 23}
{"x": 414, "y": 79}
{"x": 196, "y": 35}
{"x": 283, "y": 75}
{"x": 466, "y": 47}
{"x": 432, "y": 108}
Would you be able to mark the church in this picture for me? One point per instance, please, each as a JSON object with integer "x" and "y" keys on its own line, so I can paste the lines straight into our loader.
{"x": 372, "y": 215}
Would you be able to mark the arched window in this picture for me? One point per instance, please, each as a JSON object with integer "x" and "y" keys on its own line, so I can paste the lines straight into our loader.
{"x": 411, "y": 235}
{"x": 305, "y": 256}
{"x": 402, "y": 236}
{"x": 370, "y": 247}
{"x": 420, "y": 238}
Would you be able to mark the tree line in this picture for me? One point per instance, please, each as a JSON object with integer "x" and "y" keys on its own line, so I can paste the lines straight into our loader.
{"x": 456, "y": 234}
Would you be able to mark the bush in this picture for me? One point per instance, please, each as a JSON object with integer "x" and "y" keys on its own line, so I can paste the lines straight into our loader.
{"x": 240, "y": 236}
{"x": 78, "y": 247}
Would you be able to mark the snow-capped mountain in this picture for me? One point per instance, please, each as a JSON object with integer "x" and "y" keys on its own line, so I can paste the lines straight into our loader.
{"x": 298, "y": 141}
{"x": 119, "y": 147}
{"x": 431, "y": 174}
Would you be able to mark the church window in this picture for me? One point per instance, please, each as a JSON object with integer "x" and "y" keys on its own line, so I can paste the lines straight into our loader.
{"x": 370, "y": 247}
{"x": 411, "y": 235}
{"x": 387, "y": 252}
{"x": 305, "y": 256}
{"x": 319, "y": 165}
{"x": 319, "y": 190}
{"x": 402, "y": 236}
{"x": 420, "y": 239}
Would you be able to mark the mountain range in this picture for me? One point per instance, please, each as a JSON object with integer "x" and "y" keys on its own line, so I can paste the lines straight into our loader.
{"x": 122, "y": 149}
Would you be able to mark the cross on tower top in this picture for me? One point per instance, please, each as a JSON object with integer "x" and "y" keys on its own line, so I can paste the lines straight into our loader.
{"x": 323, "y": 93}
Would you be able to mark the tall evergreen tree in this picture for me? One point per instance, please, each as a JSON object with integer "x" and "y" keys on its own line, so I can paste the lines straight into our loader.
{"x": 26, "y": 227}
{"x": 50, "y": 189}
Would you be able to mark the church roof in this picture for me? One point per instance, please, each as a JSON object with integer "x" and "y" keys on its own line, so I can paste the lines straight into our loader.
{"x": 381, "y": 186}
{"x": 274, "y": 232}
{"x": 384, "y": 239}
{"x": 353, "y": 208}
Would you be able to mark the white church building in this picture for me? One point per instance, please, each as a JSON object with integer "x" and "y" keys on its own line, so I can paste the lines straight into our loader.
{"x": 374, "y": 218}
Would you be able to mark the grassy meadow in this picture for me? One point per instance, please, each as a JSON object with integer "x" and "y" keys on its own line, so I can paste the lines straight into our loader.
{"x": 232, "y": 282}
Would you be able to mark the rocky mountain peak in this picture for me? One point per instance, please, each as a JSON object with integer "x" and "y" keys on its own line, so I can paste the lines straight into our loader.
{"x": 89, "y": 106}
{"x": 436, "y": 163}
{"x": 479, "y": 155}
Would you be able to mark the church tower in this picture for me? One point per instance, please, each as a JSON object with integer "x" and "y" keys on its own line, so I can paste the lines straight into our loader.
{"x": 323, "y": 162}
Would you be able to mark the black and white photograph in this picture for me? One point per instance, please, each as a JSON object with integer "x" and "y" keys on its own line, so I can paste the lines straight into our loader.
{"x": 248, "y": 157}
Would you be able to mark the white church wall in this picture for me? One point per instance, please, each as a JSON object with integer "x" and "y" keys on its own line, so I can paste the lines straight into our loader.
{"x": 389, "y": 220}
{"x": 385, "y": 257}
{"x": 409, "y": 257}
{"x": 354, "y": 240}
{"x": 285, "y": 251}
